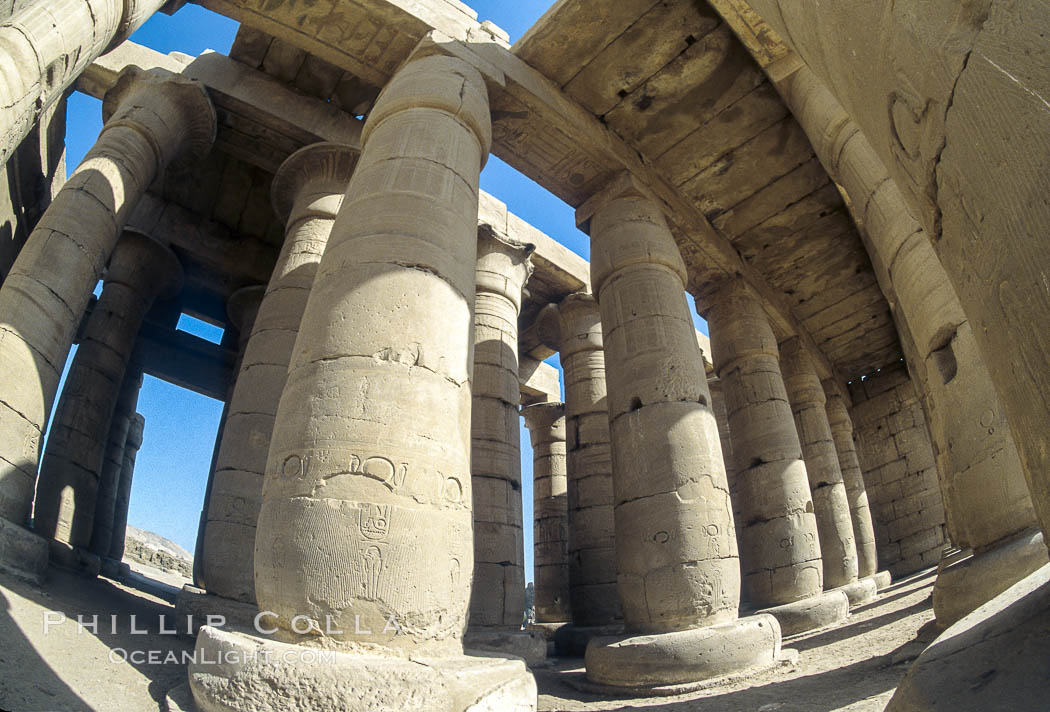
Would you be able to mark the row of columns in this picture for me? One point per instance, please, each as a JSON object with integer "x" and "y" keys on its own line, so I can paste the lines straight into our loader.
{"x": 366, "y": 511}
{"x": 982, "y": 482}
{"x": 951, "y": 141}
{"x": 153, "y": 122}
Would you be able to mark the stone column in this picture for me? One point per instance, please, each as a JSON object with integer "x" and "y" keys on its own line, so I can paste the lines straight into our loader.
{"x": 152, "y": 122}
{"x": 838, "y": 547}
{"x": 842, "y": 432}
{"x": 678, "y": 573}
{"x": 779, "y": 547}
{"x": 550, "y": 532}
{"x": 593, "y": 599}
{"x": 136, "y": 426}
{"x": 364, "y": 541}
{"x": 497, "y": 602}
{"x": 307, "y": 190}
{"x": 112, "y": 466}
{"x": 68, "y": 489}
{"x": 982, "y": 479}
{"x": 45, "y": 47}
{"x": 241, "y": 308}
{"x": 718, "y": 406}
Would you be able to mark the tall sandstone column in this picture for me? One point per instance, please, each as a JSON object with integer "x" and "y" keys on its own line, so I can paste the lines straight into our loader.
{"x": 241, "y": 309}
{"x": 497, "y": 602}
{"x": 136, "y": 427}
{"x": 550, "y": 533}
{"x": 46, "y": 45}
{"x": 112, "y": 467}
{"x": 841, "y": 425}
{"x": 838, "y": 547}
{"x": 365, "y": 539}
{"x": 982, "y": 480}
{"x": 307, "y": 190}
{"x": 153, "y": 122}
{"x": 678, "y": 573}
{"x": 69, "y": 487}
{"x": 779, "y": 546}
{"x": 593, "y": 598}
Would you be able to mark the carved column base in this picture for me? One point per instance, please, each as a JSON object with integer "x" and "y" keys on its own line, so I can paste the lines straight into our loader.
{"x": 994, "y": 658}
{"x": 646, "y": 663}
{"x": 965, "y": 584}
{"x": 22, "y": 553}
{"x": 114, "y": 569}
{"x": 270, "y": 676}
{"x": 75, "y": 558}
{"x": 529, "y": 645}
{"x": 570, "y": 641}
{"x": 809, "y": 614}
{"x": 196, "y": 606}
{"x": 859, "y": 592}
{"x": 883, "y": 579}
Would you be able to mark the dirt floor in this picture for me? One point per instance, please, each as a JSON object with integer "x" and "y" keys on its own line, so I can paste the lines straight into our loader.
{"x": 50, "y": 665}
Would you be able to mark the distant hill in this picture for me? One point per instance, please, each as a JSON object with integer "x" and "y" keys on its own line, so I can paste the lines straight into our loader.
{"x": 149, "y": 548}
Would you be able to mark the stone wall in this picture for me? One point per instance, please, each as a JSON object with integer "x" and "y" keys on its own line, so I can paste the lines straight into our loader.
{"x": 897, "y": 459}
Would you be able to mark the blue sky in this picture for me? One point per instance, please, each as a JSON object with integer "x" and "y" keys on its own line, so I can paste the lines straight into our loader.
{"x": 172, "y": 468}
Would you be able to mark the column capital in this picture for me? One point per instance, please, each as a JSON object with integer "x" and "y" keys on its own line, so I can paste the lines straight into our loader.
{"x": 504, "y": 265}
{"x": 623, "y": 186}
{"x": 835, "y": 390}
{"x": 312, "y": 181}
{"x": 739, "y": 325}
{"x": 800, "y": 374}
{"x": 580, "y": 324}
{"x": 443, "y": 83}
{"x": 243, "y": 305}
{"x": 544, "y": 415}
{"x": 136, "y": 430}
{"x": 145, "y": 265}
{"x": 173, "y": 112}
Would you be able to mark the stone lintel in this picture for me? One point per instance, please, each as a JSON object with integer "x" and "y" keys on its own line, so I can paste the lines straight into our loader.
{"x": 539, "y": 381}
{"x": 437, "y": 43}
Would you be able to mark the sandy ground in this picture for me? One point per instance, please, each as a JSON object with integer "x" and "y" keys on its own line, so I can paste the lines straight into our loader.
{"x": 852, "y": 667}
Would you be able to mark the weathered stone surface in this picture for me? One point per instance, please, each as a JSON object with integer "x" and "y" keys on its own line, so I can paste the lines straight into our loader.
{"x": 330, "y": 680}
{"x": 136, "y": 426}
{"x": 41, "y": 57}
{"x": 676, "y": 556}
{"x": 813, "y": 613}
{"x": 153, "y": 122}
{"x": 982, "y": 481}
{"x": 678, "y": 574}
{"x": 859, "y": 592}
{"x": 856, "y": 491}
{"x": 779, "y": 546}
{"x": 68, "y": 490}
{"x": 546, "y": 424}
{"x": 109, "y": 498}
{"x": 592, "y": 565}
{"x": 957, "y": 74}
{"x": 993, "y": 658}
{"x": 685, "y": 656}
{"x": 366, "y": 512}
{"x": 900, "y": 475}
{"x": 307, "y": 192}
{"x": 498, "y": 592}
{"x": 838, "y": 548}
{"x": 963, "y": 586}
